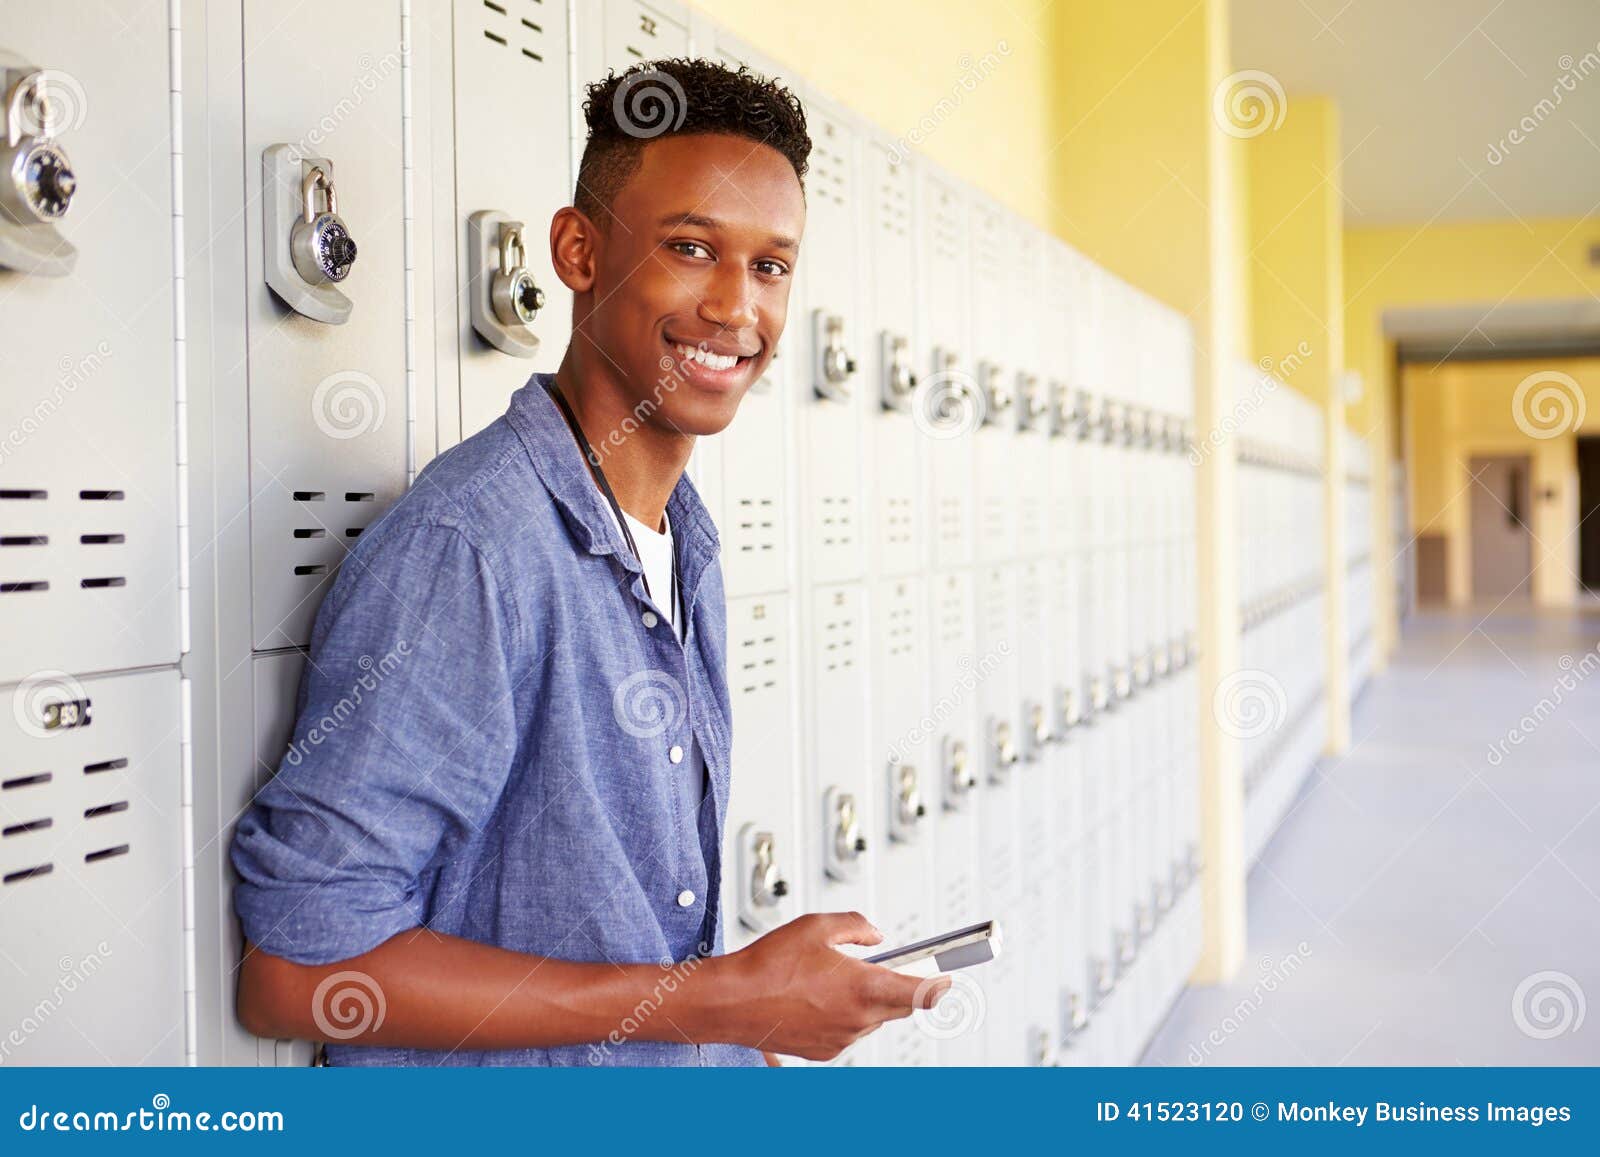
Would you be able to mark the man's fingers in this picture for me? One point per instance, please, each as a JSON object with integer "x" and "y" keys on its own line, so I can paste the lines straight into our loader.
{"x": 899, "y": 994}
{"x": 929, "y": 991}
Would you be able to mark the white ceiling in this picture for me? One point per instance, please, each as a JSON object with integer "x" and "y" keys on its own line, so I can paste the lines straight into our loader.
{"x": 1427, "y": 88}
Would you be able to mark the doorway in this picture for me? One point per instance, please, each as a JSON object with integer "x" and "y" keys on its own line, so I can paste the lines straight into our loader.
{"x": 1589, "y": 504}
{"x": 1502, "y": 542}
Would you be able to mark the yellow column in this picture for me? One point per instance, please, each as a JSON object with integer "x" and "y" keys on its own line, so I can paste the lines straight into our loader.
{"x": 1150, "y": 188}
{"x": 1297, "y": 322}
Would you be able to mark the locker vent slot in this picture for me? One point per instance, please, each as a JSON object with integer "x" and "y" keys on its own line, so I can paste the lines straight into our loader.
{"x": 757, "y": 659}
{"x": 101, "y": 495}
{"x": 500, "y": 30}
{"x": 757, "y": 528}
{"x": 359, "y": 496}
{"x": 105, "y": 854}
{"x": 17, "y": 588}
{"x": 309, "y": 495}
{"x": 493, "y": 7}
{"x": 353, "y": 531}
{"x": 26, "y": 781}
{"x": 30, "y": 826}
{"x": 27, "y": 874}
{"x": 24, "y": 540}
{"x": 310, "y": 532}
{"x": 311, "y": 568}
{"x": 102, "y": 539}
{"x": 24, "y": 495}
{"x": 105, "y": 809}
{"x": 493, "y": 37}
{"x": 839, "y": 636}
{"x": 106, "y": 765}
{"x": 98, "y": 583}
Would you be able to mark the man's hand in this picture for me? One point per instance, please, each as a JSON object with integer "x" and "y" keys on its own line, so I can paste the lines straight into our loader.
{"x": 793, "y": 991}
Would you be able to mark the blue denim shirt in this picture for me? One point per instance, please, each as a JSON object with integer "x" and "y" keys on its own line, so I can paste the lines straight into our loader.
{"x": 484, "y": 740}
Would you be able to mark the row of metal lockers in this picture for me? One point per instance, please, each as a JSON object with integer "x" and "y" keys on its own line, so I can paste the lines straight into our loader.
{"x": 960, "y": 560}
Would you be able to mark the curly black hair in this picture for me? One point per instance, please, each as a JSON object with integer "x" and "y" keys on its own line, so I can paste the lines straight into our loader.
{"x": 667, "y": 97}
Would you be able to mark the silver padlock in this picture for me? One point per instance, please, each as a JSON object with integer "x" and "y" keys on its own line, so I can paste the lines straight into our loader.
{"x": 320, "y": 244}
{"x": 39, "y": 182}
{"x": 767, "y": 885}
{"x": 899, "y": 379}
{"x": 1002, "y": 751}
{"x": 516, "y": 297}
{"x": 833, "y": 365}
{"x": 1030, "y": 401}
{"x": 958, "y": 774}
{"x": 846, "y": 843}
{"x": 997, "y": 395}
{"x": 906, "y": 806}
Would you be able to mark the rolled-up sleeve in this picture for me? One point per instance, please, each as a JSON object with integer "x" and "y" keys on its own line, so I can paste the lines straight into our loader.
{"x": 402, "y": 745}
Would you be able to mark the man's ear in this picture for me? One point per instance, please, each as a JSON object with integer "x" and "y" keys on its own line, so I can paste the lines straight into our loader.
{"x": 572, "y": 248}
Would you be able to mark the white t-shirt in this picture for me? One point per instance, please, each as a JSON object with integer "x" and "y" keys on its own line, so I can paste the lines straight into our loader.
{"x": 655, "y": 552}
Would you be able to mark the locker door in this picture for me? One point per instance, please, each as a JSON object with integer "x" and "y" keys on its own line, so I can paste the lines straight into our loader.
{"x": 513, "y": 94}
{"x": 91, "y": 871}
{"x": 947, "y": 406}
{"x": 88, "y": 456}
{"x": 893, "y": 369}
{"x": 958, "y": 898}
{"x": 635, "y": 32}
{"x": 327, "y": 401}
{"x": 904, "y": 749}
{"x": 753, "y": 460}
{"x": 995, "y": 450}
{"x": 828, "y": 329}
{"x": 1039, "y": 787}
{"x": 762, "y": 853}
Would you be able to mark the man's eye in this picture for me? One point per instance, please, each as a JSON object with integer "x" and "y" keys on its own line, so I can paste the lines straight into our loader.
{"x": 771, "y": 268}
{"x": 685, "y": 247}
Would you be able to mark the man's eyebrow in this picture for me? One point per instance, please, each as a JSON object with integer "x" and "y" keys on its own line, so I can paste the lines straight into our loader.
{"x": 701, "y": 221}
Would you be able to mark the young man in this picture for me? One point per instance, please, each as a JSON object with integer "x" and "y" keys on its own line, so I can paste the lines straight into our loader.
{"x": 496, "y": 836}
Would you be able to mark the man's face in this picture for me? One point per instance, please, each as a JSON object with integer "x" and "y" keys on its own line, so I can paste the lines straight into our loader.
{"x": 692, "y": 277}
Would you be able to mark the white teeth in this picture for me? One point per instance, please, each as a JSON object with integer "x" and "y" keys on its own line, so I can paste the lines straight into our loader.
{"x": 706, "y": 358}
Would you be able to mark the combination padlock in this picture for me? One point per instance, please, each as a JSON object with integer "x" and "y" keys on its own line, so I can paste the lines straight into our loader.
{"x": 1002, "y": 751}
{"x": 833, "y": 364}
{"x": 767, "y": 885}
{"x": 516, "y": 297}
{"x": 997, "y": 395}
{"x": 848, "y": 842}
{"x": 39, "y": 179}
{"x": 1030, "y": 401}
{"x": 958, "y": 773}
{"x": 899, "y": 379}
{"x": 320, "y": 244}
{"x": 909, "y": 807}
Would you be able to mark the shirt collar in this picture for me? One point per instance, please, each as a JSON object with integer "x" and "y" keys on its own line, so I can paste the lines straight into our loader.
{"x": 538, "y": 422}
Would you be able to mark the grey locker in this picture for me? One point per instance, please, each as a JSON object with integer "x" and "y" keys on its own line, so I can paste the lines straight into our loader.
{"x": 328, "y": 405}
{"x": 750, "y": 460}
{"x": 92, "y": 821}
{"x": 826, "y": 315}
{"x": 945, "y": 363}
{"x": 89, "y": 504}
{"x": 996, "y": 367}
{"x": 763, "y": 829}
{"x": 894, "y": 370}
{"x": 841, "y": 804}
{"x": 513, "y": 128}
{"x": 633, "y": 32}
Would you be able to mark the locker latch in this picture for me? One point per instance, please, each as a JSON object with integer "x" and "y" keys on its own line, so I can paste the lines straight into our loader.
{"x": 1069, "y": 712}
{"x": 762, "y": 886}
{"x": 1041, "y": 1048}
{"x": 1037, "y": 734}
{"x": 958, "y": 774}
{"x": 505, "y": 298}
{"x": 906, "y": 808}
{"x": 1002, "y": 750}
{"x": 997, "y": 397}
{"x": 308, "y": 251}
{"x": 899, "y": 379}
{"x": 39, "y": 181}
{"x": 1102, "y": 979}
{"x": 1030, "y": 401}
{"x": 833, "y": 365}
{"x": 845, "y": 842}
{"x": 1099, "y": 694}
{"x": 1060, "y": 403}
{"x": 1074, "y": 1015}
{"x": 1086, "y": 415}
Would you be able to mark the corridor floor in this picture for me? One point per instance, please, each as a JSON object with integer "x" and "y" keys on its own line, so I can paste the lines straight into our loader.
{"x": 1434, "y": 895}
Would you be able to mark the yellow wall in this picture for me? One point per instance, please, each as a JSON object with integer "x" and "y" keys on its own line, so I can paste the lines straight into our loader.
{"x": 894, "y": 63}
{"x": 1457, "y": 410}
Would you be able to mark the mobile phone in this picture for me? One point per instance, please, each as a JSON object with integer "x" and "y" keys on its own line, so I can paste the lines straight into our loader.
{"x": 962, "y": 948}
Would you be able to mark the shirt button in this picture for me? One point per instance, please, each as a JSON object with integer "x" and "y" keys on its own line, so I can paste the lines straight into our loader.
{"x": 675, "y": 754}
{"x": 649, "y": 618}
{"x": 685, "y": 898}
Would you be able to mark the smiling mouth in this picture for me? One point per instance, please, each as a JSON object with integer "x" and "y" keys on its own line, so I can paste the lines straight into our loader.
{"x": 696, "y": 355}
